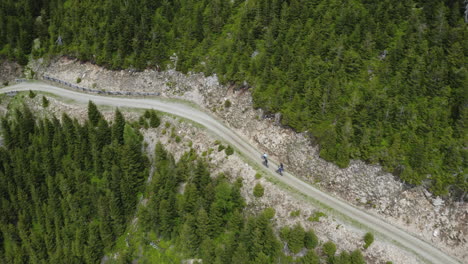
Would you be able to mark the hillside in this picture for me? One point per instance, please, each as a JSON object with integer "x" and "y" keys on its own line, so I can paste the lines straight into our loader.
{"x": 380, "y": 81}
{"x": 60, "y": 203}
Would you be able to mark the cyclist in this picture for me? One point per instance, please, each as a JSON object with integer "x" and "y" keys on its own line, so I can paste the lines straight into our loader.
{"x": 280, "y": 169}
{"x": 265, "y": 158}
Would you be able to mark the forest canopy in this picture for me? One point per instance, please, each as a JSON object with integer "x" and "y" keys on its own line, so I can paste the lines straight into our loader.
{"x": 381, "y": 81}
{"x": 74, "y": 192}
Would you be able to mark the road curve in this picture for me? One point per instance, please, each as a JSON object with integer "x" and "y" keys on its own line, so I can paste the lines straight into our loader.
{"x": 422, "y": 249}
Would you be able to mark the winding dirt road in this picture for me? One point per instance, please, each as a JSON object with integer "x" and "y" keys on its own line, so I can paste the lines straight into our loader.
{"x": 425, "y": 251}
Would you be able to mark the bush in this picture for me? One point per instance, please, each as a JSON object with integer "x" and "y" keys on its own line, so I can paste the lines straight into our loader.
{"x": 142, "y": 121}
{"x": 220, "y": 148}
{"x": 154, "y": 119}
{"x": 310, "y": 239}
{"x": 356, "y": 257}
{"x": 368, "y": 239}
{"x": 258, "y": 190}
{"x": 295, "y": 213}
{"x": 227, "y": 104}
{"x": 167, "y": 125}
{"x": 269, "y": 212}
{"x": 229, "y": 150}
{"x": 32, "y": 94}
{"x": 78, "y": 80}
{"x": 316, "y": 216}
{"x": 329, "y": 248}
{"x": 296, "y": 239}
{"x": 5, "y": 83}
{"x": 177, "y": 139}
{"x": 284, "y": 233}
{"x": 258, "y": 176}
{"x": 45, "y": 102}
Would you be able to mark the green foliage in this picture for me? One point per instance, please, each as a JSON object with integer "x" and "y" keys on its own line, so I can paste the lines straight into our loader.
{"x": 177, "y": 139}
{"x": 316, "y": 216}
{"x": 310, "y": 239}
{"x": 78, "y": 80}
{"x": 221, "y": 148}
{"x": 385, "y": 94}
{"x": 154, "y": 120}
{"x": 93, "y": 114}
{"x": 31, "y": 94}
{"x": 356, "y": 257}
{"x": 310, "y": 258}
{"x": 295, "y": 213}
{"x": 329, "y": 248}
{"x": 258, "y": 175}
{"x": 45, "y": 102}
{"x": 51, "y": 163}
{"x": 229, "y": 150}
{"x": 258, "y": 190}
{"x": 296, "y": 239}
{"x": 269, "y": 213}
{"x": 368, "y": 239}
{"x": 118, "y": 127}
{"x": 227, "y": 103}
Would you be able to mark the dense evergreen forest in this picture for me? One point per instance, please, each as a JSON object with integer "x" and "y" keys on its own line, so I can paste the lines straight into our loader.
{"x": 69, "y": 193}
{"x": 382, "y": 81}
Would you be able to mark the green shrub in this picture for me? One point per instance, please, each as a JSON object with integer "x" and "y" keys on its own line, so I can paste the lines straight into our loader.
{"x": 310, "y": 239}
{"x": 258, "y": 190}
{"x": 5, "y": 83}
{"x": 229, "y": 150}
{"x": 284, "y": 233}
{"x": 167, "y": 125}
{"x": 269, "y": 212}
{"x": 368, "y": 239}
{"x": 147, "y": 114}
{"x": 45, "y": 102}
{"x": 177, "y": 139}
{"x": 78, "y": 80}
{"x": 295, "y": 213}
{"x": 227, "y": 103}
{"x": 141, "y": 121}
{"x": 220, "y": 148}
{"x": 316, "y": 216}
{"x": 329, "y": 248}
{"x": 32, "y": 94}
{"x": 258, "y": 176}
{"x": 154, "y": 120}
{"x": 296, "y": 239}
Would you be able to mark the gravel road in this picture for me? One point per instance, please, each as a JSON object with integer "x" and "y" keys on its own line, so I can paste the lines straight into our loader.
{"x": 424, "y": 250}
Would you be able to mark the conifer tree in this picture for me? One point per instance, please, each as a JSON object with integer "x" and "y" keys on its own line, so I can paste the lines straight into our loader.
{"x": 93, "y": 114}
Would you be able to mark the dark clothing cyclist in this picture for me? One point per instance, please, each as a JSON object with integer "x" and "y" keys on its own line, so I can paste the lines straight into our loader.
{"x": 280, "y": 169}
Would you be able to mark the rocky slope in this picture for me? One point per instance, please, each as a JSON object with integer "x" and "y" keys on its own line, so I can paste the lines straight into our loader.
{"x": 367, "y": 186}
{"x": 8, "y": 72}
